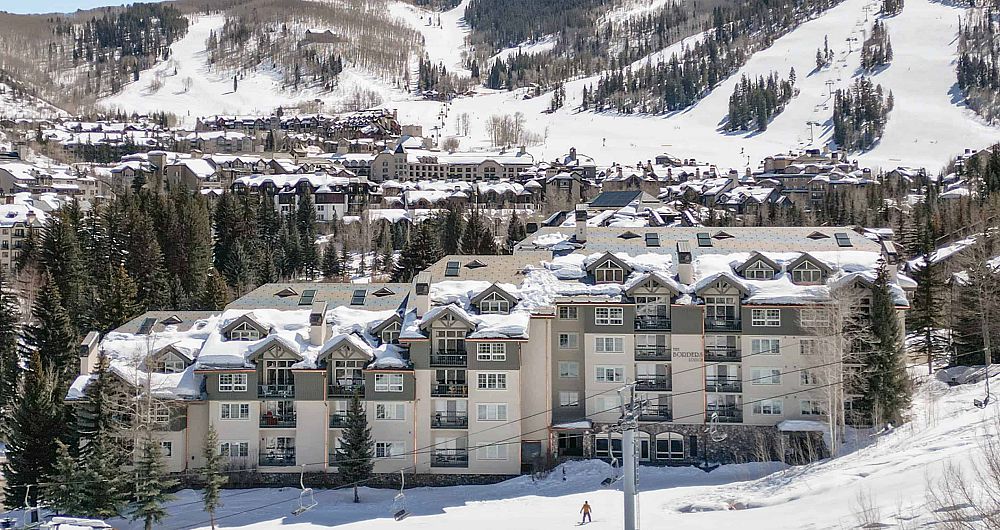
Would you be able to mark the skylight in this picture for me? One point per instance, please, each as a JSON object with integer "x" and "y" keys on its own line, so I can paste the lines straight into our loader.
{"x": 704, "y": 240}
{"x": 652, "y": 239}
{"x": 451, "y": 268}
{"x": 358, "y": 298}
{"x": 307, "y": 297}
{"x": 843, "y": 240}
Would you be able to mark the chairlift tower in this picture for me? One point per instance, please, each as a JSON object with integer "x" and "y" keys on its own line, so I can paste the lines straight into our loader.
{"x": 627, "y": 425}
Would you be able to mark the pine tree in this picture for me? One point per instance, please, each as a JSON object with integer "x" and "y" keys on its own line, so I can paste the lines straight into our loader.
{"x": 151, "y": 485}
{"x": 10, "y": 354}
{"x": 52, "y": 335}
{"x": 451, "y": 232}
{"x": 515, "y": 232}
{"x": 887, "y": 392}
{"x": 60, "y": 256}
{"x": 419, "y": 253}
{"x": 331, "y": 262}
{"x": 216, "y": 294}
{"x": 117, "y": 301}
{"x": 473, "y": 233}
{"x": 144, "y": 263}
{"x": 101, "y": 457}
{"x": 356, "y": 447}
{"x": 37, "y": 423}
{"x": 212, "y": 472}
{"x": 305, "y": 218}
{"x": 68, "y": 491}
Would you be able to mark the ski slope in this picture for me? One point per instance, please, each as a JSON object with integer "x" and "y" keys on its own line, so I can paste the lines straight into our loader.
{"x": 893, "y": 469}
{"x": 443, "y": 44}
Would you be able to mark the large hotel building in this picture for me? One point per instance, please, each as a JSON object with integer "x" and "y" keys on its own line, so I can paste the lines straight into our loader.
{"x": 497, "y": 365}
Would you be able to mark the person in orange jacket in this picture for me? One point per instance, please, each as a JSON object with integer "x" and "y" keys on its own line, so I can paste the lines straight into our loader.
{"x": 586, "y": 512}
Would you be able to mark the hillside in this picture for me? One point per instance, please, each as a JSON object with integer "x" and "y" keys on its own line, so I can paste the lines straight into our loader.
{"x": 889, "y": 471}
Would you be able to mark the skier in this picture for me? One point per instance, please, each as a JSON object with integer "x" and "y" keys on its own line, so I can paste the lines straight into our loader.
{"x": 586, "y": 512}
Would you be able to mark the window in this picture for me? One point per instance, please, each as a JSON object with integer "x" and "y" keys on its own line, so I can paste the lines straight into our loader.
{"x": 814, "y": 317}
{"x": 569, "y": 399}
{"x": 390, "y": 334}
{"x": 759, "y": 271}
{"x": 568, "y": 341}
{"x": 768, "y": 407}
{"x": 492, "y": 381}
{"x": 567, "y": 313}
{"x": 491, "y": 412}
{"x": 765, "y": 376}
{"x": 451, "y": 268}
{"x": 234, "y": 449}
{"x": 765, "y": 346}
{"x": 358, "y": 298}
{"x": 770, "y": 318}
{"x": 494, "y": 304}
{"x": 167, "y": 449}
{"x": 608, "y": 272}
{"x": 491, "y": 351}
{"x": 720, "y": 342}
{"x": 812, "y": 407}
{"x": 843, "y": 240}
{"x": 234, "y": 411}
{"x": 720, "y": 309}
{"x": 704, "y": 240}
{"x": 170, "y": 364}
{"x": 491, "y": 452}
{"x": 808, "y": 346}
{"x": 569, "y": 369}
{"x": 450, "y": 340}
{"x": 609, "y": 316}
{"x": 389, "y": 450}
{"x": 609, "y": 374}
{"x": 808, "y": 377}
{"x": 609, "y": 344}
{"x": 390, "y": 411}
{"x": 244, "y": 331}
{"x": 807, "y": 272}
{"x": 669, "y": 446}
{"x": 307, "y": 297}
{"x": 388, "y": 382}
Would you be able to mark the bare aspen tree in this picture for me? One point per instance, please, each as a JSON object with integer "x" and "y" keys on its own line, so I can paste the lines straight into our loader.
{"x": 969, "y": 500}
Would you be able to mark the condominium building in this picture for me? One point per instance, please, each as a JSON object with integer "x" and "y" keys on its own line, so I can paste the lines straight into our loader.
{"x": 496, "y": 365}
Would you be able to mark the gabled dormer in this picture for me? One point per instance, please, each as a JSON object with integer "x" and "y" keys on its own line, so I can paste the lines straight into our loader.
{"x": 388, "y": 330}
{"x": 244, "y": 328}
{"x": 758, "y": 267}
{"x": 807, "y": 270}
{"x": 653, "y": 283}
{"x": 494, "y": 301}
{"x": 275, "y": 348}
{"x": 345, "y": 347}
{"x": 447, "y": 326}
{"x": 449, "y": 316}
{"x": 721, "y": 284}
{"x": 169, "y": 360}
{"x": 609, "y": 269}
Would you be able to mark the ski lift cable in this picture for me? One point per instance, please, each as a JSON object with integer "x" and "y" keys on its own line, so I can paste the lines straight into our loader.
{"x": 307, "y": 500}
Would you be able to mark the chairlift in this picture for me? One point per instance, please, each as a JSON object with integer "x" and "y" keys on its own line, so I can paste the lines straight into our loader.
{"x": 713, "y": 430}
{"x": 981, "y": 403}
{"x": 30, "y": 510}
{"x": 399, "y": 502}
{"x": 307, "y": 500}
{"x": 615, "y": 468}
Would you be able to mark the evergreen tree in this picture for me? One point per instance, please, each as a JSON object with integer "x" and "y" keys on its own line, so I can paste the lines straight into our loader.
{"x": 515, "y": 232}
{"x": 101, "y": 457}
{"x": 331, "y": 262}
{"x": 60, "y": 255}
{"x": 212, "y": 472}
{"x": 68, "y": 491}
{"x": 216, "y": 294}
{"x": 356, "y": 447}
{"x": 117, "y": 301}
{"x": 473, "y": 234}
{"x": 52, "y": 335}
{"x": 887, "y": 392}
{"x": 144, "y": 263}
{"x": 451, "y": 232}
{"x": 37, "y": 423}
{"x": 10, "y": 354}
{"x": 305, "y": 218}
{"x": 419, "y": 253}
{"x": 151, "y": 485}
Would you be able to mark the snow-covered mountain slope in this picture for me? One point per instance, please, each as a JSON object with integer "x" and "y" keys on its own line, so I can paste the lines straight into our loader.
{"x": 892, "y": 470}
{"x": 21, "y": 106}
{"x": 444, "y": 32}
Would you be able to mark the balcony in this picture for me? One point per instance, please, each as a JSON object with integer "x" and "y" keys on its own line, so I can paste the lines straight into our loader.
{"x": 722, "y": 324}
{"x": 723, "y": 355}
{"x": 441, "y": 389}
{"x": 724, "y": 414}
{"x": 277, "y": 421}
{"x": 277, "y": 457}
{"x": 449, "y": 420}
{"x": 652, "y": 323}
{"x": 652, "y": 382}
{"x": 346, "y": 388}
{"x": 284, "y": 390}
{"x": 656, "y": 413}
{"x": 450, "y": 358}
{"x": 723, "y": 384}
{"x": 338, "y": 420}
{"x": 450, "y": 458}
{"x": 652, "y": 353}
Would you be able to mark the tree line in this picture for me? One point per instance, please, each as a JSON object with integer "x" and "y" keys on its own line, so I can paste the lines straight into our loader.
{"x": 859, "y": 115}
{"x": 755, "y": 102}
{"x": 877, "y": 49}
{"x": 977, "y": 69}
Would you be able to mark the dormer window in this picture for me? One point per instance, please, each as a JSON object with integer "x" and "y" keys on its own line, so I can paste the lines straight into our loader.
{"x": 390, "y": 335}
{"x": 759, "y": 271}
{"x": 494, "y": 304}
{"x": 807, "y": 273}
{"x": 608, "y": 272}
{"x": 169, "y": 364}
{"x": 244, "y": 331}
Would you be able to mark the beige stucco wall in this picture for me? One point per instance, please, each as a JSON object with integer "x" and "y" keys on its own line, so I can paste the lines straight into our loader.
{"x": 687, "y": 361}
{"x": 592, "y": 360}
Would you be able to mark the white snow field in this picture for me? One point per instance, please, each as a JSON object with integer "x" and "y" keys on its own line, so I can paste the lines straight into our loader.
{"x": 927, "y": 127}
{"x": 892, "y": 469}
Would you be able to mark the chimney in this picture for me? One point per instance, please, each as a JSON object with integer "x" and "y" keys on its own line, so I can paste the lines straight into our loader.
{"x": 581, "y": 223}
{"x": 685, "y": 269}
{"x": 317, "y": 324}
{"x": 422, "y": 292}
{"x": 522, "y": 150}
{"x": 572, "y": 153}
{"x": 88, "y": 353}
{"x": 734, "y": 177}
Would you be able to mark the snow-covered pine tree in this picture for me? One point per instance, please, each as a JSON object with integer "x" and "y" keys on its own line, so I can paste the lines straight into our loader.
{"x": 101, "y": 456}
{"x": 515, "y": 232}
{"x": 68, "y": 490}
{"x": 354, "y": 459}
{"x": 420, "y": 252}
